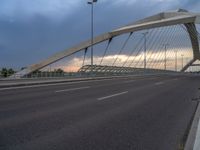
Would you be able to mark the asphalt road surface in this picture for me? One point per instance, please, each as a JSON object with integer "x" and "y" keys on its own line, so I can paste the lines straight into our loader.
{"x": 150, "y": 113}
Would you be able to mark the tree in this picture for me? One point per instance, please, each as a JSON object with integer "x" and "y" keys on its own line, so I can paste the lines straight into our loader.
{"x": 59, "y": 71}
{"x": 22, "y": 68}
{"x": 4, "y": 72}
{"x": 10, "y": 71}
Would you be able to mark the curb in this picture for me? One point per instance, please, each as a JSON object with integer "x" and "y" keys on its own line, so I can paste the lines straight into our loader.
{"x": 193, "y": 130}
{"x": 71, "y": 80}
{"x": 47, "y": 82}
{"x": 62, "y": 81}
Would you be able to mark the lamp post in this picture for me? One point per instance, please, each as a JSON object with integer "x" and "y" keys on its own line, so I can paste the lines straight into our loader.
{"x": 91, "y": 2}
{"x": 145, "y": 48}
{"x": 182, "y": 60}
{"x": 165, "y": 46}
{"x": 175, "y": 51}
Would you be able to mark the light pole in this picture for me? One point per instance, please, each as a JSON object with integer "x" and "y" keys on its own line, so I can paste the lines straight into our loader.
{"x": 91, "y": 2}
{"x": 145, "y": 48}
{"x": 165, "y": 46}
{"x": 175, "y": 59}
{"x": 182, "y": 60}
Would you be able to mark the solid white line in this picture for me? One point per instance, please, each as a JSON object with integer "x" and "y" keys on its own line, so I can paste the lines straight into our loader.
{"x": 113, "y": 95}
{"x": 159, "y": 83}
{"x": 51, "y": 84}
{"x": 54, "y": 84}
{"x": 73, "y": 89}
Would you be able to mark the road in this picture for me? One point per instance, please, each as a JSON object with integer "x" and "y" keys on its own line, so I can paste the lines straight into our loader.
{"x": 147, "y": 113}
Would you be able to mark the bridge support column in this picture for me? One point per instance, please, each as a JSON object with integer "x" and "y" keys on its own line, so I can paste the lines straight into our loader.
{"x": 192, "y": 31}
{"x": 188, "y": 65}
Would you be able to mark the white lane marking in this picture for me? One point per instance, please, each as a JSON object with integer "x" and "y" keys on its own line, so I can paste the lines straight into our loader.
{"x": 140, "y": 79}
{"x": 113, "y": 95}
{"x": 159, "y": 83}
{"x": 129, "y": 81}
{"x": 73, "y": 89}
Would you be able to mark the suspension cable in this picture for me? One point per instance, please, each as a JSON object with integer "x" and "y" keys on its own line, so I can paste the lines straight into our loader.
{"x": 160, "y": 52}
{"x": 109, "y": 41}
{"x": 85, "y": 51}
{"x": 123, "y": 46}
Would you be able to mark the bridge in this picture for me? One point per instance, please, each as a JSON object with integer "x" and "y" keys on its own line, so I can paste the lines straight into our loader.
{"x": 156, "y": 42}
{"x": 138, "y": 94}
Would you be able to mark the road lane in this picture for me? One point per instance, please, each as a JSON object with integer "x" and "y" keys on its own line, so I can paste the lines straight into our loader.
{"x": 32, "y": 103}
{"x": 45, "y": 89}
{"x": 67, "y": 120}
{"x": 52, "y": 101}
{"x": 43, "y": 96}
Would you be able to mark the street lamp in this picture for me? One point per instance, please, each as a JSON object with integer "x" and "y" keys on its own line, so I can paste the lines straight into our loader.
{"x": 165, "y": 45}
{"x": 91, "y": 2}
{"x": 145, "y": 48}
{"x": 175, "y": 51}
{"x": 182, "y": 55}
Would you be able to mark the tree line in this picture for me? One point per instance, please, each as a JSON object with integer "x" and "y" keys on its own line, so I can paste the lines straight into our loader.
{"x": 5, "y": 72}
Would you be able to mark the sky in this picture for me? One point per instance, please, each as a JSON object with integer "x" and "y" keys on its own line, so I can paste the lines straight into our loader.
{"x": 32, "y": 30}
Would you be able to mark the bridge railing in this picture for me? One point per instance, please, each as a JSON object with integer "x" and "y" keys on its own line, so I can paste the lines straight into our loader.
{"x": 95, "y": 71}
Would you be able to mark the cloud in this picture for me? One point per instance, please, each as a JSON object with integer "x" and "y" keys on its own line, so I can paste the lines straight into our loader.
{"x": 29, "y": 8}
{"x": 131, "y": 2}
{"x": 59, "y": 9}
{"x": 32, "y": 30}
{"x": 153, "y": 61}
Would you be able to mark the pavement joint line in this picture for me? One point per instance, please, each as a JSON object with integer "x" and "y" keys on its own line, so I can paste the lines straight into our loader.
{"x": 113, "y": 95}
{"x": 72, "y": 89}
